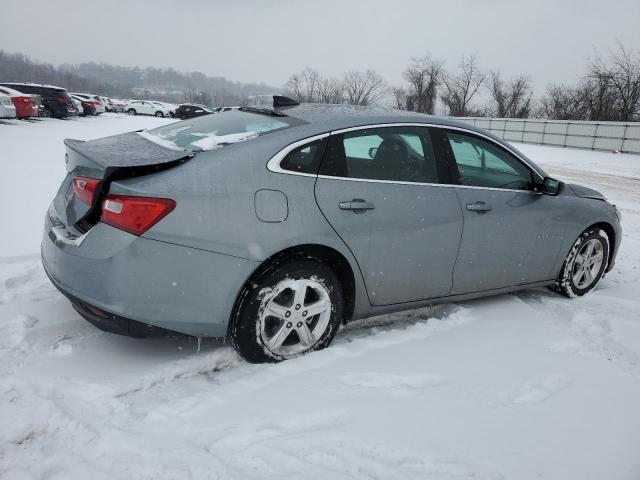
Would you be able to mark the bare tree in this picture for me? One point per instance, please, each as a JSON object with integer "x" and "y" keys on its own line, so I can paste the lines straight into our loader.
{"x": 562, "y": 102}
{"x": 612, "y": 88}
{"x": 363, "y": 88}
{"x": 511, "y": 99}
{"x": 304, "y": 86}
{"x": 461, "y": 86}
{"x": 331, "y": 90}
{"x": 400, "y": 97}
{"x": 424, "y": 76}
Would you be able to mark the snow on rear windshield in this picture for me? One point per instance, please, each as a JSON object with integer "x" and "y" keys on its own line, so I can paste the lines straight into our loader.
{"x": 214, "y": 130}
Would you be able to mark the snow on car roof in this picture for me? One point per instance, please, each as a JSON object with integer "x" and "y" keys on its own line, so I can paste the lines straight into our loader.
{"x": 17, "y": 84}
{"x": 12, "y": 91}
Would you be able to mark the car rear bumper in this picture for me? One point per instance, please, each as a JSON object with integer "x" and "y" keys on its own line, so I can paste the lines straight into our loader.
{"x": 114, "y": 278}
{"x": 64, "y": 113}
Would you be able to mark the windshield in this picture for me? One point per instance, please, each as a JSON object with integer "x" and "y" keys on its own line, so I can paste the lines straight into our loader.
{"x": 216, "y": 130}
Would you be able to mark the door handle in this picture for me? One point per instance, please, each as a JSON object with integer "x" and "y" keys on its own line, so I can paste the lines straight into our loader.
{"x": 479, "y": 207}
{"x": 357, "y": 205}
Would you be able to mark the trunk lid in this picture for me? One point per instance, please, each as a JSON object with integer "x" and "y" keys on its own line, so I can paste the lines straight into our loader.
{"x": 107, "y": 159}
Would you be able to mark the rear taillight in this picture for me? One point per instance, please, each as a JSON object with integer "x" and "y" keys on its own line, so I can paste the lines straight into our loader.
{"x": 135, "y": 215}
{"x": 85, "y": 188}
{"x": 63, "y": 100}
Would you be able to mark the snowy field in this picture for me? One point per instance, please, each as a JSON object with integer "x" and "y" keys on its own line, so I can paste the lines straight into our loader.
{"x": 524, "y": 386}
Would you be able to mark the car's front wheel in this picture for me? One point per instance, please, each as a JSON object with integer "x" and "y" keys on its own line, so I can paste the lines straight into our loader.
{"x": 585, "y": 264}
{"x": 159, "y": 114}
{"x": 287, "y": 310}
{"x": 132, "y": 111}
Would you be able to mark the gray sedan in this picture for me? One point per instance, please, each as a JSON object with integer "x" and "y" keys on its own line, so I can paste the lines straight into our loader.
{"x": 273, "y": 225}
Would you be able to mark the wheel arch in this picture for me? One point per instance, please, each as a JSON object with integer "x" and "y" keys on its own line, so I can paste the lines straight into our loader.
{"x": 611, "y": 233}
{"x": 327, "y": 255}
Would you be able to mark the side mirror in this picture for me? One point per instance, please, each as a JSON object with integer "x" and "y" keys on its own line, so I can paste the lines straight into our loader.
{"x": 550, "y": 186}
{"x": 373, "y": 151}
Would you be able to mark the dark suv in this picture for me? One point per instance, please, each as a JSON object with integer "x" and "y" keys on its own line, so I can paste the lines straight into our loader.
{"x": 55, "y": 100}
{"x": 190, "y": 110}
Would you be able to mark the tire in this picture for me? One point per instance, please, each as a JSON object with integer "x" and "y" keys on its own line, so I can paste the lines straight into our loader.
{"x": 159, "y": 114}
{"x": 255, "y": 333}
{"x": 592, "y": 246}
{"x": 46, "y": 113}
{"x": 132, "y": 111}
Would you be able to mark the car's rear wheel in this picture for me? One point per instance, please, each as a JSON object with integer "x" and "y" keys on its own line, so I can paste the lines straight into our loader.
{"x": 585, "y": 264}
{"x": 159, "y": 114}
{"x": 287, "y": 310}
{"x": 132, "y": 111}
{"x": 46, "y": 113}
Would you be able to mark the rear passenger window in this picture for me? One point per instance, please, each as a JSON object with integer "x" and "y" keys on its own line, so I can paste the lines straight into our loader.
{"x": 304, "y": 159}
{"x": 402, "y": 154}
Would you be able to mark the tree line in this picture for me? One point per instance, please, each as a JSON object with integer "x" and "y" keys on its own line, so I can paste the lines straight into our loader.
{"x": 130, "y": 82}
{"x": 608, "y": 90}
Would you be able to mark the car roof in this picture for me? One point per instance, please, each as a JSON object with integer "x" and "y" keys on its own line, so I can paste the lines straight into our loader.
{"x": 337, "y": 116}
{"x": 12, "y": 91}
{"x": 29, "y": 84}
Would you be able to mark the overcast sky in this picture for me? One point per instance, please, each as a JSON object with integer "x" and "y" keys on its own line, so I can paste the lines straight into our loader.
{"x": 254, "y": 41}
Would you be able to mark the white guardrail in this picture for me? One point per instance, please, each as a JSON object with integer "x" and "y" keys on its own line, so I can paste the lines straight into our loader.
{"x": 607, "y": 136}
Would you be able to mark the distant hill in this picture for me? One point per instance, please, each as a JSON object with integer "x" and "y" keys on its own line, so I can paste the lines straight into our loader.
{"x": 130, "y": 82}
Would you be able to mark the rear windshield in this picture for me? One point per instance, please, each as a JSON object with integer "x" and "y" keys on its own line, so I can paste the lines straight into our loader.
{"x": 216, "y": 130}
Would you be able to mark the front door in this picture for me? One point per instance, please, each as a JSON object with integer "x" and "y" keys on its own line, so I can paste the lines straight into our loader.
{"x": 381, "y": 191}
{"x": 512, "y": 233}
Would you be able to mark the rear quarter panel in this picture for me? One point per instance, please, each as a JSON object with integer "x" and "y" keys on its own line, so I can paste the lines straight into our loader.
{"x": 216, "y": 211}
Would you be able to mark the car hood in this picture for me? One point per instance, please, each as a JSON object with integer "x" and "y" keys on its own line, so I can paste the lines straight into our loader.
{"x": 585, "y": 192}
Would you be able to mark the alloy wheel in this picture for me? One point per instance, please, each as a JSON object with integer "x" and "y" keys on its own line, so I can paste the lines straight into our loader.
{"x": 294, "y": 316}
{"x": 587, "y": 263}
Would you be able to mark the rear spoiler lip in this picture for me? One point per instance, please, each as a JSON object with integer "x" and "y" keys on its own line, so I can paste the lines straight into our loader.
{"x": 72, "y": 142}
{"x": 106, "y": 156}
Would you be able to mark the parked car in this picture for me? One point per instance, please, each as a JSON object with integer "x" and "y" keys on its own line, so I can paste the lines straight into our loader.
{"x": 7, "y": 109}
{"x": 108, "y": 104}
{"x": 77, "y": 103}
{"x": 55, "y": 100}
{"x": 275, "y": 225}
{"x": 26, "y": 105}
{"x": 85, "y": 106}
{"x": 95, "y": 99}
{"x": 191, "y": 110}
{"x": 146, "y": 107}
{"x": 118, "y": 106}
{"x": 169, "y": 109}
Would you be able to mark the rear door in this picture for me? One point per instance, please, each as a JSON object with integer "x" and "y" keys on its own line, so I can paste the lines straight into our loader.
{"x": 383, "y": 193}
{"x": 512, "y": 233}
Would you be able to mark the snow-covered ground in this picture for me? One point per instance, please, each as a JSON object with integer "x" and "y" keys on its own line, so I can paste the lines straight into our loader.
{"x": 525, "y": 386}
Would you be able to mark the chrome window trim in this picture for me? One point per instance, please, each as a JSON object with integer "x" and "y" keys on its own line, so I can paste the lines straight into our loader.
{"x": 395, "y": 182}
{"x": 274, "y": 163}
